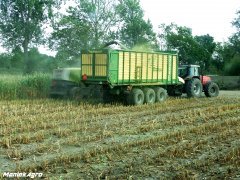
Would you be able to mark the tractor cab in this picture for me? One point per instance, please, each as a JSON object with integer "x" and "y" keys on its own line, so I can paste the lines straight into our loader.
{"x": 189, "y": 71}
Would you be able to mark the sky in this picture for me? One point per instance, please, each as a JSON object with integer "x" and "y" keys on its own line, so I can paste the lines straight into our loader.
{"x": 211, "y": 17}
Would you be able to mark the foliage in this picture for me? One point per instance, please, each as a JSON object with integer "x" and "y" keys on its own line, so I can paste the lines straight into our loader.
{"x": 13, "y": 62}
{"x": 34, "y": 86}
{"x": 17, "y": 59}
{"x": 24, "y": 86}
{"x": 41, "y": 62}
{"x": 134, "y": 30}
{"x": 192, "y": 50}
{"x": 207, "y": 47}
{"x": 230, "y": 51}
{"x": 5, "y": 60}
{"x": 236, "y": 21}
{"x": 232, "y": 67}
{"x": 235, "y": 38}
{"x": 91, "y": 23}
{"x": 21, "y": 24}
{"x": 88, "y": 24}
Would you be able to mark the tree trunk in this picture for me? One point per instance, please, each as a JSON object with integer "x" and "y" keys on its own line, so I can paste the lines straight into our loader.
{"x": 27, "y": 67}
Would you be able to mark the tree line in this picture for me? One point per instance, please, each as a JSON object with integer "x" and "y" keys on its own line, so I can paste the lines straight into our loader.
{"x": 91, "y": 23}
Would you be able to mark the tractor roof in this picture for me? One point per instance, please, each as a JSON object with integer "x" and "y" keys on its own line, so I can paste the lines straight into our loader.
{"x": 190, "y": 65}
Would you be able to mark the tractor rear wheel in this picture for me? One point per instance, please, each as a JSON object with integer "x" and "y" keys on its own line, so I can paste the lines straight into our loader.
{"x": 149, "y": 95}
{"x": 161, "y": 94}
{"x": 211, "y": 89}
{"x": 136, "y": 97}
{"x": 194, "y": 88}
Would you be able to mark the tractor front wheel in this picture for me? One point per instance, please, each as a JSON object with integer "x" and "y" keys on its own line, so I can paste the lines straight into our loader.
{"x": 194, "y": 88}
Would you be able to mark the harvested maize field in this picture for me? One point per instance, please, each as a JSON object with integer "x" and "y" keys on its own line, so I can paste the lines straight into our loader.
{"x": 181, "y": 138}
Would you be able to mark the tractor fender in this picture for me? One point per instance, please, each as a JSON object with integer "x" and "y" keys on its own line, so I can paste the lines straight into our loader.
{"x": 205, "y": 80}
{"x": 181, "y": 80}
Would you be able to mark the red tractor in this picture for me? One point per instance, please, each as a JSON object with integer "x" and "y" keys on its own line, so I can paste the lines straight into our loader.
{"x": 194, "y": 83}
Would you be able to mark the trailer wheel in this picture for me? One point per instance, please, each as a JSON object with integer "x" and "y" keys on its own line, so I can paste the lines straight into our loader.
{"x": 136, "y": 97}
{"x": 149, "y": 95}
{"x": 194, "y": 88}
{"x": 161, "y": 94}
{"x": 211, "y": 89}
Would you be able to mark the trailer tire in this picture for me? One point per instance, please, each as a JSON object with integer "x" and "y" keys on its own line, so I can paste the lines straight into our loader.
{"x": 211, "y": 89}
{"x": 161, "y": 94}
{"x": 149, "y": 95}
{"x": 194, "y": 88}
{"x": 136, "y": 97}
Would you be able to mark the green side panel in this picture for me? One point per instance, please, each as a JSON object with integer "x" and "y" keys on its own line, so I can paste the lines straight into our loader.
{"x": 146, "y": 67}
{"x": 95, "y": 65}
{"x": 113, "y": 67}
{"x": 124, "y": 67}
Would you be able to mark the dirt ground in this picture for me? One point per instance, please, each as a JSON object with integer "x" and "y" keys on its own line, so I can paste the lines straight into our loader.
{"x": 232, "y": 94}
{"x": 180, "y": 138}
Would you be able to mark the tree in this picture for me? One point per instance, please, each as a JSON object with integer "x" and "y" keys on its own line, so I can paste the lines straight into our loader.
{"x": 180, "y": 39}
{"x": 88, "y": 24}
{"x": 232, "y": 67}
{"x": 192, "y": 50}
{"x": 134, "y": 29}
{"x": 21, "y": 22}
{"x": 207, "y": 45}
{"x": 236, "y": 21}
{"x": 5, "y": 60}
{"x": 17, "y": 60}
{"x": 230, "y": 51}
{"x": 235, "y": 38}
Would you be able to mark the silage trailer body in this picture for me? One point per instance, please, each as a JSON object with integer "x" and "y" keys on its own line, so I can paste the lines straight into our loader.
{"x": 120, "y": 67}
{"x": 119, "y": 72}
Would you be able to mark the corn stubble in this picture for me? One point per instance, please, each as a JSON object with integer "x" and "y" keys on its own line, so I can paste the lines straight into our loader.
{"x": 180, "y": 138}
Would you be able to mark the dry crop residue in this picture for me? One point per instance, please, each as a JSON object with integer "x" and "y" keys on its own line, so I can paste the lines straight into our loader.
{"x": 180, "y": 138}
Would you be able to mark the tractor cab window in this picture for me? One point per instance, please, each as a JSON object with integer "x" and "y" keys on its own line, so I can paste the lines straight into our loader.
{"x": 193, "y": 71}
{"x": 182, "y": 72}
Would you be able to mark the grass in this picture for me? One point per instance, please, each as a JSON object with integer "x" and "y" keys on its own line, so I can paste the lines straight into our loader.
{"x": 180, "y": 138}
{"x": 24, "y": 86}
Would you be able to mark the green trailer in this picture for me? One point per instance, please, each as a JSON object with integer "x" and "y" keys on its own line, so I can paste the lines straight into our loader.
{"x": 136, "y": 77}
